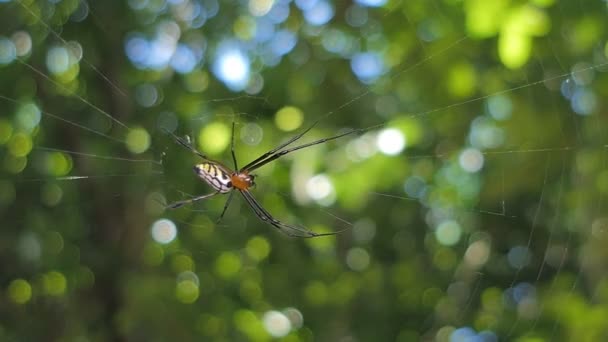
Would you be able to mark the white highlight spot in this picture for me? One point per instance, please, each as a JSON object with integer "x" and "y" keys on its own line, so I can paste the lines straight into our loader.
{"x": 163, "y": 231}
{"x": 320, "y": 189}
{"x": 276, "y": 323}
{"x": 260, "y": 8}
{"x": 58, "y": 60}
{"x": 391, "y": 141}
{"x": 471, "y": 160}
{"x": 232, "y": 66}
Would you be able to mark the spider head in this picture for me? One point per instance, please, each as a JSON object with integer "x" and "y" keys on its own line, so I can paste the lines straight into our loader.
{"x": 252, "y": 180}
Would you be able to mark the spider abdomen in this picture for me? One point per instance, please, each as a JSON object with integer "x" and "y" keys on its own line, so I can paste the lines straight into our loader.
{"x": 215, "y": 175}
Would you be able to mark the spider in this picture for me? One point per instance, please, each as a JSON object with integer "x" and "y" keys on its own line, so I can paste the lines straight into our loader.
{"x": 225, "y": 181}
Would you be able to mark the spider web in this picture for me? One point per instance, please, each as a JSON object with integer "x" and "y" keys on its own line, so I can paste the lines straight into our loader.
{"x": 507, "y": 247}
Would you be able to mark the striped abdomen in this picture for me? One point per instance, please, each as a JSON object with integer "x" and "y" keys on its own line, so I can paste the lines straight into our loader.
{"x": 215, "y": 175}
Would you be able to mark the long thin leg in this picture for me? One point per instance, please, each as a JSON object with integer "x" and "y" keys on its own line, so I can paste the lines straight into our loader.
{"x": 274, "y": 150}
{"x": 191, "y": 200}
{"x": 232, "y": 148}
{"x": 186, "y": 145}
{"x": 225, "y": 207}
{"x": 265, "y": 216}
{"x": 252, "y": 166}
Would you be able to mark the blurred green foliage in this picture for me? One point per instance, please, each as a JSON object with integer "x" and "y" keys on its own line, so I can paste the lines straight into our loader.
{"x": 489, "y": 223}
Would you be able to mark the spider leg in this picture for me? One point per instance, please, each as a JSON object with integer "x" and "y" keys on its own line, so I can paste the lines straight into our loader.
{"x": 178, "y": 204}
{"x": 274, "y": 150}
{"x": 276, "y": 155}
{"x": 265, "y": 216}
{"x": 232, "y": 148}
{"x": 225, "y": 207}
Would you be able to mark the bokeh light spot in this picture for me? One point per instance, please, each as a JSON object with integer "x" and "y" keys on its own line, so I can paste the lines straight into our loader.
{"x": 54, "y": 283}
{"x": 252, "y": 133}
{"x": 258, "y": 248}
{"x": 231, "y": 66}
{"x": 138, "y": 140}
{"x": 448, "y": 233}
{"x": 245, "y": 27}
{"x": 518, "y": 257}
{"x": 367, "y": 66}
{"x": 485, "y": 134}
{"x": 214, "y": 138}
{"x": 463, "y": 334}
{"x": 247, "y": 322}
{"x": 357, "y": 16}
{"x": 58, "y": 60}
{"x": 190, "y": 276}
{"x": 583, "y": 73}
{"x": 29, "y": 246}
{"x": 57, "y": 164}
{"x": 147, "y": 95}
{"x": 357, "y": 259}
{"x": 289, "y": 118}
{"x": 163, "y": 231}
{"x": 415, "y": 187}
{"x": 500, "y": 107}
{"x": 8, "y": 51}
{"x": 364, "y": 230}
{"x": 20, "y": 291}
{"x": 584, "y": 101}
{"x": 391, "y": 141}
{"x": 184, "y": 59}
{"x": 462, "y": 80}
{"x": 20, "y": 145}
{"x": 295, "y": 317}
{"x": 14, "y": 164}
{"x": 283, "y": 42}
{"x": 182, "y": 263}
{"x": 471, "y": 160}
{"x": 321, "y": 189}
{"x": 485, "y": 17}
{"x": 227, "y": 265}
{"x": 259, "y": 8}
{"x": 514, "y": 49}
{"x": 477, "y": 254}
{"x": 319, "y": 13}
{"x": 186, "y": 291}
{"x": 371, "y": 3}
{"x": 28, "y": 117}
{"x": 276, "y": 323}
{"x": 6, "y": 131}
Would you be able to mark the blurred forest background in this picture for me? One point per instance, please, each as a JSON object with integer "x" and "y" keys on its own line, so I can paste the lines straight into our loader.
{"x": 473, "y": 202}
